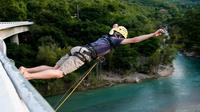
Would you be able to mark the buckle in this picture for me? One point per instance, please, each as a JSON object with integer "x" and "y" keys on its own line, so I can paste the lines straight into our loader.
{"x": 101, "y": 59}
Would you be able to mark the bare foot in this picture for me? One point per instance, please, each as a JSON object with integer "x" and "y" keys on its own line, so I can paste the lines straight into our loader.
{"x": 22, "y": 69}
{"x": 26, "y": 75}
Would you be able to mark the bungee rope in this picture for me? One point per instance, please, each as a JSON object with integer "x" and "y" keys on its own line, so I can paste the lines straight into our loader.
{"x": 70, "y": 91}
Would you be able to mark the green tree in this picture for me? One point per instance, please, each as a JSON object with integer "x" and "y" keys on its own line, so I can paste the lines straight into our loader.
{"x": 12, "y": 10}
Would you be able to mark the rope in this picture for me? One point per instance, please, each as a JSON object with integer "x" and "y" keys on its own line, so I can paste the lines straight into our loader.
{"x": 74, "y": 86}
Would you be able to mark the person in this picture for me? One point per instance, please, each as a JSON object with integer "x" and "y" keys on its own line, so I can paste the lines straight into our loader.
{"x": 80, "y": 55}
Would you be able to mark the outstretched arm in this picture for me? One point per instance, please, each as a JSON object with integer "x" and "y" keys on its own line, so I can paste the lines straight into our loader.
{"x": 142, "y": 37}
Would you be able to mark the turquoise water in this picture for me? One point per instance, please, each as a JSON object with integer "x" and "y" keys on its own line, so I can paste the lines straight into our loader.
{"x": 179, "y": 92}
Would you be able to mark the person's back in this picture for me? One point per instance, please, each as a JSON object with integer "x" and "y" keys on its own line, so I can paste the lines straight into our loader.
{"x": 104, "y": 44}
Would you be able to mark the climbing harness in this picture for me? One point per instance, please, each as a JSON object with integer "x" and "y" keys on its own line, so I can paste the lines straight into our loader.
{"x": 81, "y": 57}
{"x": 70, "y": 91}
{"x": 92, "y": 52}
{"x": 81, "y": 54}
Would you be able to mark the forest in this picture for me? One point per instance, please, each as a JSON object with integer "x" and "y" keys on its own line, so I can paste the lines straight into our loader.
{"x": 62, "y": 24}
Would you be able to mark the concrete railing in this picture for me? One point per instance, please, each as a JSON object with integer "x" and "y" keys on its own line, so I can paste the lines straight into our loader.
{"x": 2, "y": 47}
{"x": 18, "y": 94}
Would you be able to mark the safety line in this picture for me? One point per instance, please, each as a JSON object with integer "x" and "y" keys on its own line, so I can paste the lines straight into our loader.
{"x": 76, "y": 85}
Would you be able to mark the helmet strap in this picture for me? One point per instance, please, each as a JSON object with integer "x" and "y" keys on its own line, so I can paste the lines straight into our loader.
{"x": 118, "y": 35}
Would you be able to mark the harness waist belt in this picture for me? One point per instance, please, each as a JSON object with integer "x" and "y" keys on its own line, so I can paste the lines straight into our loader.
{"x": 92, "y": 52}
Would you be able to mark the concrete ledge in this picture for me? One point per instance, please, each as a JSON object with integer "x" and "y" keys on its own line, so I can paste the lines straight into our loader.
{"x": 26, "y": 92}
{"x": 10, "y": 101}
{"x": 2, "y": 47}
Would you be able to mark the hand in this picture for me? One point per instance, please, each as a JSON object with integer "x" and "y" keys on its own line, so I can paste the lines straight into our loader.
{"x": 159, "y": 32}
{"x": 56, "y": 67}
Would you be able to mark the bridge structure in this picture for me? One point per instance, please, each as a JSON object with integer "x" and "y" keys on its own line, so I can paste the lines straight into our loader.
{"x": 17, "y": 94}
{"x": 12, "y": 29}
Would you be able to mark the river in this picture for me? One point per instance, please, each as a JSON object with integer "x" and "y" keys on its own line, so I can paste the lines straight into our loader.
{"x": 179, "y": 92}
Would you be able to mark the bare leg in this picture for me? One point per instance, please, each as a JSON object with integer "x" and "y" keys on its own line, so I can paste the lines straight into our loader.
{"x": 35, "y": 69}
{"x": 46, "y": 74}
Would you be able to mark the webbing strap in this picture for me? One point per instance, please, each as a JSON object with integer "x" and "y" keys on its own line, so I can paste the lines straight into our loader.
{"x": 92, "y": 53}
{"x": 81, "y": 57}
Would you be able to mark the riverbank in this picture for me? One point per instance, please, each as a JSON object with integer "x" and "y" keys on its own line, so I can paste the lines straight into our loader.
{"x": 107, "y": 79}
{"x": 191, "y": 54}
{"x": 179, "y": 93}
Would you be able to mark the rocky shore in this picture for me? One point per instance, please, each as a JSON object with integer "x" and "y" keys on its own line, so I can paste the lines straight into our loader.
{"x": 191, "y": 54}
{"x": 137, "y": 77}
{"x": 106, "y": 79}
{"x": 110, "y": 78}
{"x": 165, "y": 70}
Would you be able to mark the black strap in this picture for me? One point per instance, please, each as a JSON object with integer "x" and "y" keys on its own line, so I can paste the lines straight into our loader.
{"x": 92, "y": 52}
{"x": 81, "y": 57}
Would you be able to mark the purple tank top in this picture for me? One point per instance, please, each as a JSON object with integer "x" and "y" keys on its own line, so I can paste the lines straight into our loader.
{"x": 104, "y": 44}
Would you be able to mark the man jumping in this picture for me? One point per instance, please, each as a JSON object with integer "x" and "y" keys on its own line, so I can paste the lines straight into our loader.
{"x": 80, "y": 55}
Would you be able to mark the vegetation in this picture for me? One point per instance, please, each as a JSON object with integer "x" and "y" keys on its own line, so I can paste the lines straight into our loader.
{"x": 61, "y": 24}
{"x": 189, "y": 26}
